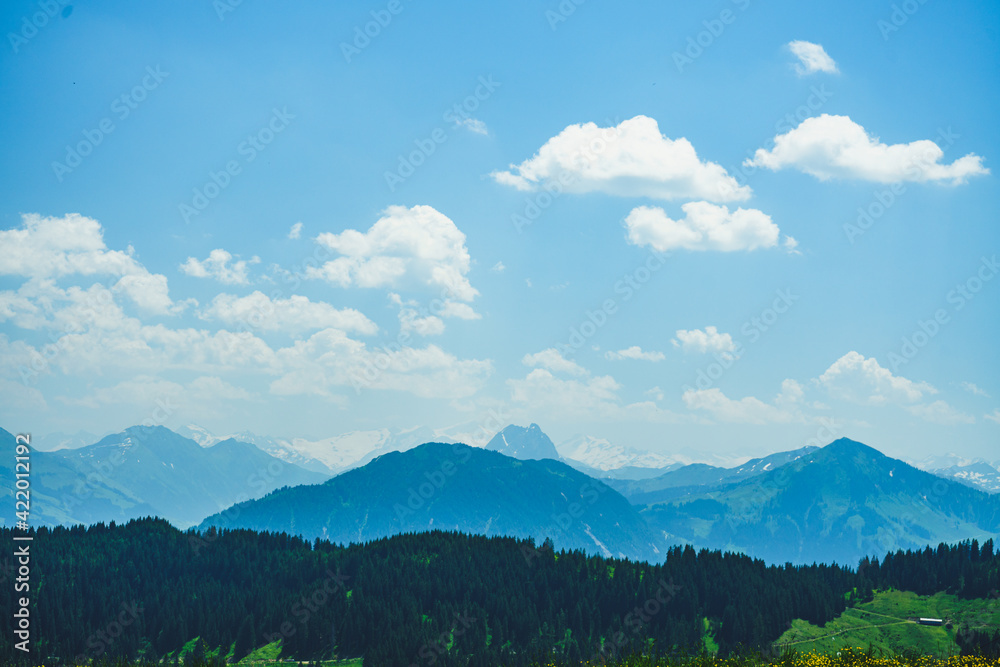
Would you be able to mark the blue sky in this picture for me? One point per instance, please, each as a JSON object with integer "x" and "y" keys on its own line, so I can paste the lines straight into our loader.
{"x": 248, "y": 247}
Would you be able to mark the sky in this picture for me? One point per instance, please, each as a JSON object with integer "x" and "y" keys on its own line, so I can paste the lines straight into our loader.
{"x": 733, "y": 227}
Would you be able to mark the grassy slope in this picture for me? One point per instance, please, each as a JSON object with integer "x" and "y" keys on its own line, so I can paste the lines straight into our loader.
{"x": 882, "y": 624}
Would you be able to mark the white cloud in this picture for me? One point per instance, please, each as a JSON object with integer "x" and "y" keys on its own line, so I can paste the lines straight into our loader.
{"x": 473, "y": 125}
{"x": 19, "y": 398}
{"x": 553, "y": 360}
{"x": 54, "y": 247}
{"x": 428, "y": 325}
{"x": 635, "y": 352}
{"x": 149, "y": 291}
{"x": 709, "y": 340}
{"x": 940, "y": 412}
{"x": 405, "y": 246}
{"x": 148, "y": 390}
{"x": 217, "y": 266}
{"x": 705, "y": 227}
{"x": 836, "y": 147}
{"x": 857, "y": 379}
{"x": 747, "y": 410}
{"x": 546, "y": 393}
{"x": 498, "y": 267}
{"x": 296, "y": 231}
{"x": 993, "y": 416}
{"x": 296, "y": 313}
{"x": 329, "y": 360}
{"x": 792, "y": 393}
{"x": 630, "y": 160}
{"x": 812, "y": 58}
{"x": 48, "y": 248}
{"x": 462, "y": 311}
{"x": 974, "y": 389}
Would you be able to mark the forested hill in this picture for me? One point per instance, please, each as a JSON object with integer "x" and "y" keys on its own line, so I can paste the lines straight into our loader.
{"x": 147, "y": 588}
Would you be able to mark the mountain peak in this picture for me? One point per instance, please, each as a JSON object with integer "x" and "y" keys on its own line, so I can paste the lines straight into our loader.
{"x": 848, "y": 445}
{"x": 523, "y": 443}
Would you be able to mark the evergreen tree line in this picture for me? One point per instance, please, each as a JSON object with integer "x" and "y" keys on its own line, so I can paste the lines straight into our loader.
{"x": 144, "y": 589}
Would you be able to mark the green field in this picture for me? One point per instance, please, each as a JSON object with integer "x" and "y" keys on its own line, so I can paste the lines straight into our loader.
{"x": 883, "y": 624}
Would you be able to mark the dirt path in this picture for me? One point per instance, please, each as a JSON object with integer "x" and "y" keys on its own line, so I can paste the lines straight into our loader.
{"x": 840, "y": 632}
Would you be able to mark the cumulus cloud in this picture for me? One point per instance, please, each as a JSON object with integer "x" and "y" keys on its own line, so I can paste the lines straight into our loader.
{"x": 48, "y": 248}
{"x": 294, "y": 314}
{"x": 548, "y": 393}
{"x": 705, "y": 227}
{"x": 974, "y": 389}
{"x": 709, "y": 340}
{"x": 498, "y": 267}
{"x": 427, "y": 325}
{"x": 940, "y": 412}
{"x": 406, "y": 246}
{"x": 54, "y": 247}
{"x": 217, "y": 265}
{"x": 747, "y": 410}
{"x": 296, "y": 231}
{"x": 812, "y": 58}
{"x": 553, "y": 360}
{"x": 630, "y": 160}
{"x": 857, "y": 379}
{"x": 329, "y": 359}
{"x": 636, "y": 353}
{"x": 836, "y": 147}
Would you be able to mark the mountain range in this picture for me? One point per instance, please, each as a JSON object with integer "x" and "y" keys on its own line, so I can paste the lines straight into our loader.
{"x": 839, "y": 502}
{"x": 148, "y": 471}
{"x": 455, "y": 487}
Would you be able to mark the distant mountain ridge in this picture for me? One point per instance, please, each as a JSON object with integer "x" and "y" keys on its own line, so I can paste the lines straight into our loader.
{"x": 455, "y": 487}
{"x": 694, "y": 477}
{"x": 839, "y": 503}
{"x": 151, "y": 471}
{"x": 979, "y": 475}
